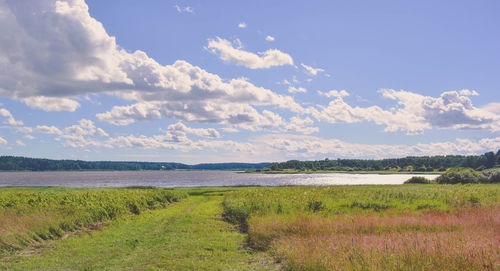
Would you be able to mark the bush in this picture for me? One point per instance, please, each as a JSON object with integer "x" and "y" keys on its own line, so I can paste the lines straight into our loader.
{"x": 418, "y": 180}
{"x": 460, "y": 175}
{"x": 491, "y": 175}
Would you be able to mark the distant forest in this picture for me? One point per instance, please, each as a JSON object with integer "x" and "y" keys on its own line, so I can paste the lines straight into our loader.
{"x": 14, "y": 163}
{"x": 409, "y": 164}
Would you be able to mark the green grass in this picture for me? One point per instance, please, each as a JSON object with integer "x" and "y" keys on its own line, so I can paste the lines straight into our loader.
{"x": 240, "y": 205}
{"x": 188, "y": 235}
{"x": 29, "y": 216}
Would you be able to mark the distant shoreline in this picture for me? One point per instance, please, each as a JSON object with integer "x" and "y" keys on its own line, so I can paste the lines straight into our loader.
{"x": 125, "y": 170}
{"x": 340, "y": 171}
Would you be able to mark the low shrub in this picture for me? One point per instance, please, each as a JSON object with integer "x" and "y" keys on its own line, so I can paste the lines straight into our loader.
{"x": 491, "y": 175}
{"x": 418, "y": 180}
{"x": 460, "y": 175}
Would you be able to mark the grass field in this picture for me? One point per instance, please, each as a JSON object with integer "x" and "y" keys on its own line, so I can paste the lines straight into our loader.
{"x": 399, "y": 227}
{"x": 187, "y": 235}
{"x": 402, "y": 227}
{"x": 31, "y": 215}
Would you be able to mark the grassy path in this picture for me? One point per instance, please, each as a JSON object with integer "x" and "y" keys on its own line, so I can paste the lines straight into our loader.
{"x": 189, "y": 235}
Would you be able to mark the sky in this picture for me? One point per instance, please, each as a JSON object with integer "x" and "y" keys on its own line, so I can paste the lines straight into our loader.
{"x": 248, "y": 81}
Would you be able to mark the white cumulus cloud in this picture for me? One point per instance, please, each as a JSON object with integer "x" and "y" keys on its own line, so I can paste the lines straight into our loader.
{"x": 10, "y": 118}
{"x": 334, "y": 93}
{"x": 292, "y": 89}
{"x": 302, "y": 146}
{"x": 310, "y": 70}
{"x": 467, "y": 92}
{"x": 263, "y": 60}
{"x": 53, "y": 50}
{"x": 270, "y": 38}
{"x": 52, "y": 103}
{"x": 84, "y": 127}
{"x": 51, "y": 130}
{"x": 414, "y": 113}
{"x": 182, "y": 128}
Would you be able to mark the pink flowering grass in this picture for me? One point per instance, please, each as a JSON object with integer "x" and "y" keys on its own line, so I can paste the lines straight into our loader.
{"x": 467, "y": 239}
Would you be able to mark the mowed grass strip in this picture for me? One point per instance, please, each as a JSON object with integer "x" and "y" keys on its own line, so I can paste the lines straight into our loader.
{"x": 30, "y": 216}
{"x": 373, "y": 227}
{"x": 188, "y": 235}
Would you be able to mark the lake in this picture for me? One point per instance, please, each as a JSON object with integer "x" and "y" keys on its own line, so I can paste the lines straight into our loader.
{"x": 191, "y": 178}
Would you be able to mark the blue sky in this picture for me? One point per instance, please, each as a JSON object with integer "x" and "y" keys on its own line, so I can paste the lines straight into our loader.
{"x": 198, "y": 81}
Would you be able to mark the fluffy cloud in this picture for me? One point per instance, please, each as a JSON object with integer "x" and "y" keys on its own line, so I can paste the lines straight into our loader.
{"x": 52, "y": 104}
{"x": 24, "y": 129}
{"x": 235, "y": 115}
{"x": 20, "y": 143}
{"x": 310, "y": 70}
{"x": 493, "y": 108}
{"x": 264, "y": 60}
{"x": 3, "y": 141}
{"x": 211, "y": 101}
{"x": 467, "y": 92}
{"x": 303, "y": 126}
{"x": 163, "y": 142}
{"x": 50, "y": 130}
{"x": 449, "y": 110}
{"x": 10, "y": 119}
{"x": 242, "y": 25}
{"x": 334, "y": 93}
{"x": 85, "y": 134}
{"x": 314, "y": 147}
{"x": 84, "y": 127}
{"x": 241, "y": 115}
{"x": 125, "y": 115}
{"x": 181, "y": 128}
{"x": 55, "y": 49}
{"x": 80, "y": 135}
{"x": 414, "y": 112}
{"x": 270, "y": 38}
{"x": 296, "y": 90}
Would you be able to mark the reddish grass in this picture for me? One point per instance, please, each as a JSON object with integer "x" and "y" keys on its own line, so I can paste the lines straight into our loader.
{"x": 468, "y": 239}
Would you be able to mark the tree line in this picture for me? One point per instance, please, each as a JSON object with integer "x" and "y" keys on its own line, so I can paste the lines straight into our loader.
{"x": 16, "y": 163}
{"x": 409, "y": 164}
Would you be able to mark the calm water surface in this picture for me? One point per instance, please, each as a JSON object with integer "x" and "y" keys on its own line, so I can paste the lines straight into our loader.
{"x": 191, "y": 178}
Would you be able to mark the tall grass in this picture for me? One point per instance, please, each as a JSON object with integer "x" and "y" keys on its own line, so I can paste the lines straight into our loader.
{"x": 373, "y": 227}
{"x": 30, "y": 215}
{"x": 240, "y": 204}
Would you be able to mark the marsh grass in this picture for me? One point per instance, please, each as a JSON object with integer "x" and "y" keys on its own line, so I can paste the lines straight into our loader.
{"x": 31, "y": 215}
{"x": 373, "y": 227}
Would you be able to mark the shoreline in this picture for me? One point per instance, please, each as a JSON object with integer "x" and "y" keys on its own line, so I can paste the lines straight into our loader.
{"x": 345, "y": 172}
